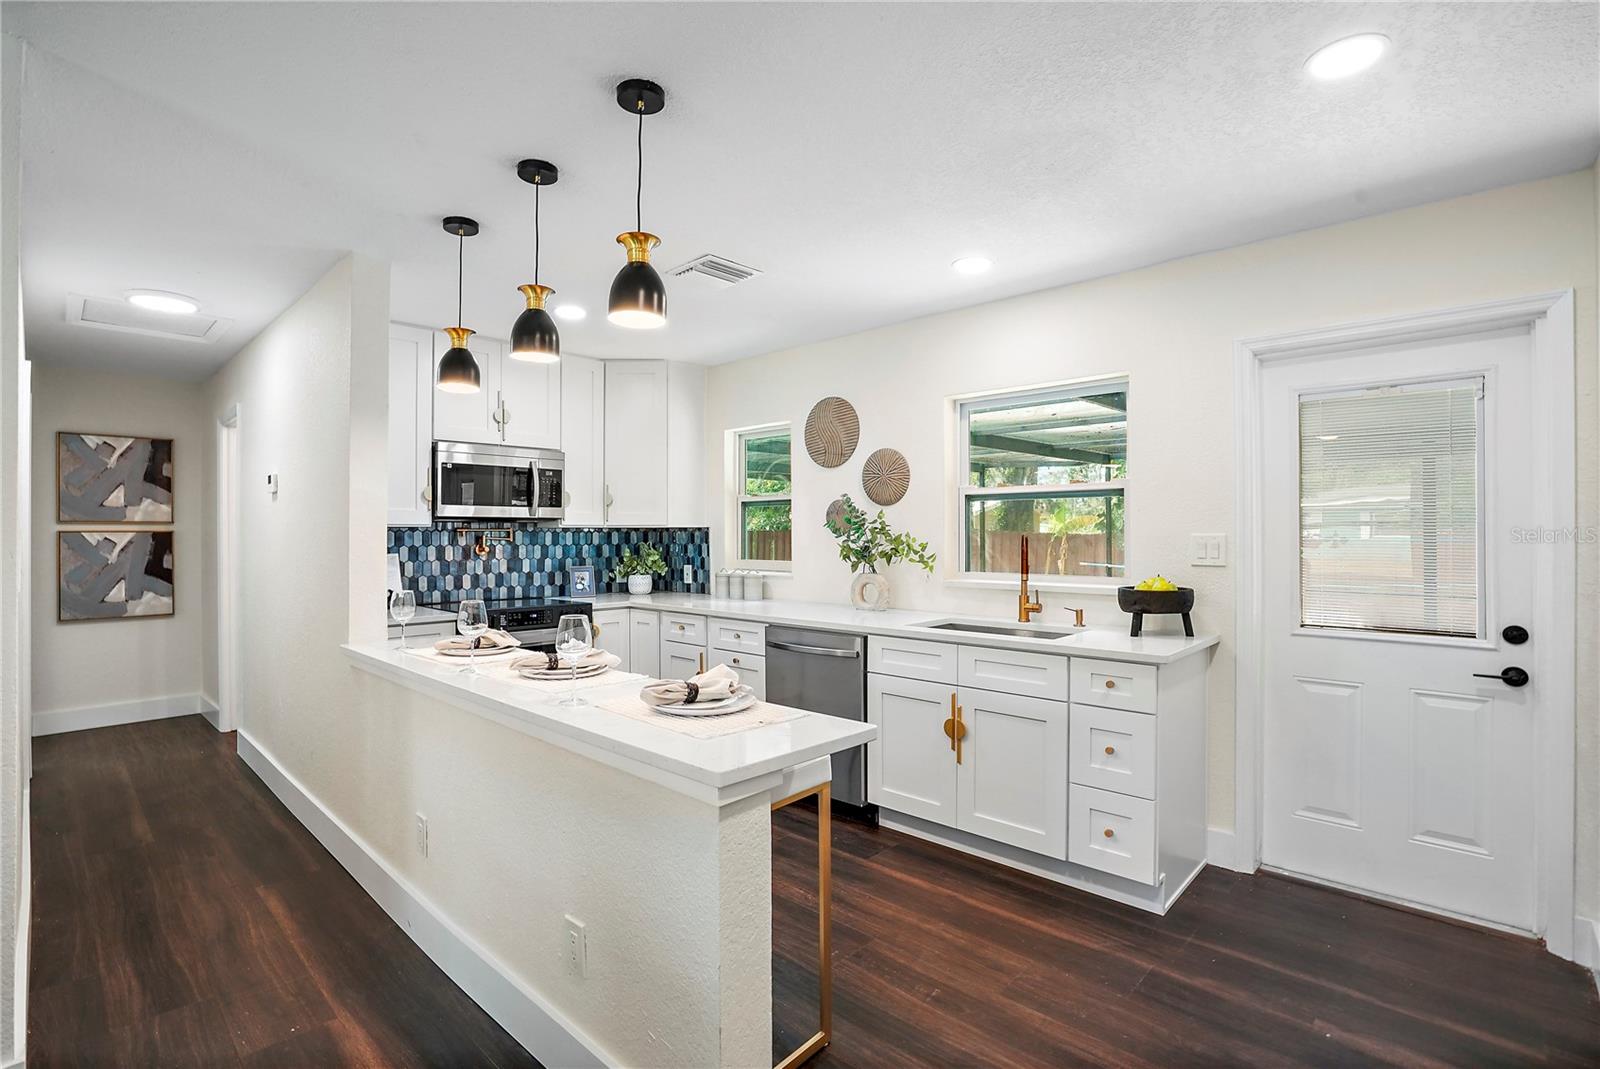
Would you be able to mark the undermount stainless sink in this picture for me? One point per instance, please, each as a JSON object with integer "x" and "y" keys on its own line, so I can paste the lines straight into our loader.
{"x": 1000, "y": 629}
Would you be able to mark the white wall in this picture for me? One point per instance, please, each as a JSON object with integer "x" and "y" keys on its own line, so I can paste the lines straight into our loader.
{"x": 1172, "y": 328}
{"x": 152, "y": 663}
{"x": 14, "y": 587}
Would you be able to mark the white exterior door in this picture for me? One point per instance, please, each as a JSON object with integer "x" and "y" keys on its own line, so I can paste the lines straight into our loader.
{"x": 1395, "y": 760}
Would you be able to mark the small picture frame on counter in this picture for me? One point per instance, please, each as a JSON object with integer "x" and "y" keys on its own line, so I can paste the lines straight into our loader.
{"x": 580, "y": 582}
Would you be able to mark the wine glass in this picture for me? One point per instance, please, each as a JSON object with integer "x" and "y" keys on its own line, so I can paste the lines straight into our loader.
{"x": 403, "y": 608}
{"x": 472, "y": 620}
{"x": 573, "y": 640}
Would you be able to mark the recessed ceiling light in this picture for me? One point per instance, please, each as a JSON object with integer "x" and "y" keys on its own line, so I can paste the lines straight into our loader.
{"x": 971, "y": 265}
{"x": 570, "y": 311}
{"x": 159, "y": 301}
{"x": 1347, "y": 56}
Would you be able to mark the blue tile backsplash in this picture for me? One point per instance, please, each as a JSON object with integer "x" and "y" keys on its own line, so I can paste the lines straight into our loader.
{"x": 436, "y": 562}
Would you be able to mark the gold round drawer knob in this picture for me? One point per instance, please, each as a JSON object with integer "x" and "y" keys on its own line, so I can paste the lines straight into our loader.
{"x": 1111, "y": 749}
{"x": 1111, "y": 684}
{"x": 1109, "y": 833}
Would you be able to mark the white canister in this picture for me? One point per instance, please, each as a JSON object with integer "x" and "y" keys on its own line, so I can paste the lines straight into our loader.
{"x": 721, "y": 589}
{"x": 752, "y": 586}
{"x": 736, "y": 586}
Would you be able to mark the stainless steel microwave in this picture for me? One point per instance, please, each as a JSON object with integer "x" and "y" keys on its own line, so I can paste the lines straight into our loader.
{"x": 497, "y": 482}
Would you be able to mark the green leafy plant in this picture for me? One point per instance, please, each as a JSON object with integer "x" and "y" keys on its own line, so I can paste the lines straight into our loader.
{"x": 647, "y": 561}
{"x": 866, "y": 543}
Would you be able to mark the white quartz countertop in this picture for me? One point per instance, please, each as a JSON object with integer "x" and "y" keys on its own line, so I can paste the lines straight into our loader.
{"x": 717, "y": 770}
{"x": 913, "y": 623}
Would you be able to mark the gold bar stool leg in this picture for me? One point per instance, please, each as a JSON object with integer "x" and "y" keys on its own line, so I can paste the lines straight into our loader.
{"x": 824, "y": 1034}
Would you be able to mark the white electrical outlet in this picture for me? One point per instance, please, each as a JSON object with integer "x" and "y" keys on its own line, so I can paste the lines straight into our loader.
{"x": 422, "y": 835}
{"x": 688, "y": 574}
{"x": 577, "y": 947}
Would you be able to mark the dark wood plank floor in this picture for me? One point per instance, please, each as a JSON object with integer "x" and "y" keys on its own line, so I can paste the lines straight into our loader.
{"x": 946, "y": 960}
{"x": 182, "y": 917}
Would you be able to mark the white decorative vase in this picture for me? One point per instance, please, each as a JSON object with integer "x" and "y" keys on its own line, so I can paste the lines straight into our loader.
{"x": 638, "y": 584}
{"x": 869, "y": 590}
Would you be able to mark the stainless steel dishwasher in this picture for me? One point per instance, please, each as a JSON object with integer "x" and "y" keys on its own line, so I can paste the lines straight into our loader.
{"x": 825, "y": 672}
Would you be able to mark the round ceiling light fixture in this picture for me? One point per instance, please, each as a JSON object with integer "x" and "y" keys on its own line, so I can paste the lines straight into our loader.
{"x": 162, "y": 301}
{"x": 971, "y": 265}
{"x": 534, "y": 336}
{"x": 458, "y": 368}
{"x": 570, "y": 312}
{"x": 1346, "y": 57}
{"x": 638, "y": 296}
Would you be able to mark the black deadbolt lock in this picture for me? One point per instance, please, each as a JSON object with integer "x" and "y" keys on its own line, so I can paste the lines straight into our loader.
{"x": 1515, "y": 634}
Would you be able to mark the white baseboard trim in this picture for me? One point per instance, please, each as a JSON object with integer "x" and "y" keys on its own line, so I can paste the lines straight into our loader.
{"x": 542, "y": 1029}
{"x": 211, "y": 710}
{"x": 1586, "y": 945}
{"x": 1222, "y": 850}
{"x": 17, "y": 1056}
{"x": 55, "y": 721}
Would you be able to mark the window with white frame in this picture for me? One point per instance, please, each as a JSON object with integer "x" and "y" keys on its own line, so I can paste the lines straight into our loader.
{"x": 765, "y": 475}
{"x": 1049, "y": 466}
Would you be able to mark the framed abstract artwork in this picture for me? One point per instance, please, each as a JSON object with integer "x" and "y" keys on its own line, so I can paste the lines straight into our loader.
{"x": 113, "y": 575}
{"x": 108, "y": 478}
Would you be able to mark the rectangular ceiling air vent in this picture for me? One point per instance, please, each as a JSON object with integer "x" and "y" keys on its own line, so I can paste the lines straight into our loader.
{"x": 715, "y": 272}
{"x": 111, "y": 314}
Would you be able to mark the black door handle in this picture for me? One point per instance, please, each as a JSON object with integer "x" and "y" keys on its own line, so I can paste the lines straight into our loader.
{"x": 1511, "y": 677}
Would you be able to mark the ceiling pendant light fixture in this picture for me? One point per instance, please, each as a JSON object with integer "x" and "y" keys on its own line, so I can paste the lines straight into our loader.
{"x": 458, "y": 369}
{"x": 534, "y": 336}
{"x": 638, "y": 296}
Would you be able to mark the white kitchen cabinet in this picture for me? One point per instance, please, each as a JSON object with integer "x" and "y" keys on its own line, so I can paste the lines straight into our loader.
{"x": 738, "y": 636}
{"x": 583, "y": 439}
{"x": 684, "y": 627}
{"x": 644, "y": 642}
{"x": 680, "y": 660}
{"x": 752, "y": 668}
{"x": 468, "y": 417}
{"x": 611, "y": 634}
{"x": 1011, "y": 776}
{"x": 911, "y": 766}
{"x": 1114, "y": 833}
{"x": 530, "y": 402}
{"x": 654, "y": 452}
{"x": 410, "y": 425}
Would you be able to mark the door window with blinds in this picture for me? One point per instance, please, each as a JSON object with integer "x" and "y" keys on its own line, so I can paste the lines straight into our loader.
{"x": 1391, "y": 491}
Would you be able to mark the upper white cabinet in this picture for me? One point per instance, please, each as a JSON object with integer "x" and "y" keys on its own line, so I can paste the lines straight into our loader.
{"x": 518, "y": 402}
{"x": 654, "y": 451}
{"x": 583, "y": 439}
{"x": 410, "y": 420}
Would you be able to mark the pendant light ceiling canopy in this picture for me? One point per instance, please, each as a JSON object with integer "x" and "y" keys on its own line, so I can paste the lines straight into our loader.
{"x": 638, "y": 296}
{"x": 458, "y": 368}
{"x": 534, "y": 336}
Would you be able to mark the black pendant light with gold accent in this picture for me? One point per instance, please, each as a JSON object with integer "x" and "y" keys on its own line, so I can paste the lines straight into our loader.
{"x": 458, "y": 369}
{"x": 534, "y": 336}
{"x": 638, "y": 296}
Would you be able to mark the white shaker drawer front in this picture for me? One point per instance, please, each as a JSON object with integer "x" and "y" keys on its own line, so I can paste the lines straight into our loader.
{"x": 752, "y": 669}
{"x": 911, "y": 659}
{"x": 737, "y": 636}
{"x": 1113, "y": 750}
{"x": 680, "y": 661}
{"x": 1114, "y": 684}
{"x": 678, "y": 627}
{"x": 1114, "y": 833}
{"x": 1039, "y": 675}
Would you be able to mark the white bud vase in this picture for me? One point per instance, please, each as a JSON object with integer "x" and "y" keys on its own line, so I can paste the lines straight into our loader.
{"x": 638, "y": 584}
{"x": 869, "y": 590}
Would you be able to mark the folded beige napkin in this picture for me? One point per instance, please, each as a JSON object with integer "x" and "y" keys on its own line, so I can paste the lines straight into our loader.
{"x": 712, "y": 685}
{"x": 549, "y": 662}
{"x": 489, "y": 640}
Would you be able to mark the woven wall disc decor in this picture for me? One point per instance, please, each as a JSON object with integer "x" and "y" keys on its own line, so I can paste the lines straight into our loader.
{"x": 886, "y": 476}
{"x": 835, "y": 516}
{"x": 832, "y": 431}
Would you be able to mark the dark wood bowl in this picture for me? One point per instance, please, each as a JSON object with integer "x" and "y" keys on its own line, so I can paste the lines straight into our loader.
{"x": 1166, "y": 602}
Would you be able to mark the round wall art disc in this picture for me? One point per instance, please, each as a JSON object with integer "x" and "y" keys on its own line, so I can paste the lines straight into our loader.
{"x": 832, "y": 431}
{"x": 835, "y": 516}
{"x": 886, "y": 476}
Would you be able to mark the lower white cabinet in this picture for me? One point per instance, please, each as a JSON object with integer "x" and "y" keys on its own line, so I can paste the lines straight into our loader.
{"x": 752, "y": 668}
{"x": 1112, "y": 832}
{"x": 1011, "y": 770}
{"x": 679, "y": 660}
{"x": 911, "y": 766}
{"x": 611, "y": 634}
{"x": 644, "y": 642}
{"x": 1114, "y": 750}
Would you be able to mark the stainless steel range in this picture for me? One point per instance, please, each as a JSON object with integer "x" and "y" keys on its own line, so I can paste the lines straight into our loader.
{"x": 533, "y": 620}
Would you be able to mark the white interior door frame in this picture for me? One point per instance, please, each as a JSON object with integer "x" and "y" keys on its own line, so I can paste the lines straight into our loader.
{"x": 1549, "y": 316}
{"x": 229, "y": 686}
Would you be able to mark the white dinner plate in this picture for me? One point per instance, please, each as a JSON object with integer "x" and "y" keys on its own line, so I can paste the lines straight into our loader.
{"x": 739, "y": 702}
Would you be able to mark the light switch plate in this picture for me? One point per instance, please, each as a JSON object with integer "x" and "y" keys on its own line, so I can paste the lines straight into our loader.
{"x": 1208, "y": 550}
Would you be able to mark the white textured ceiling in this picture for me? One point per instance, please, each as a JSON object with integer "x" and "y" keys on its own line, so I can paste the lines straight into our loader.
{"x": 850, "y": 151}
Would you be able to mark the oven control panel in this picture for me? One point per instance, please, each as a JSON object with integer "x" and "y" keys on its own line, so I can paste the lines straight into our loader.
{"x": 536, "y": 618}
